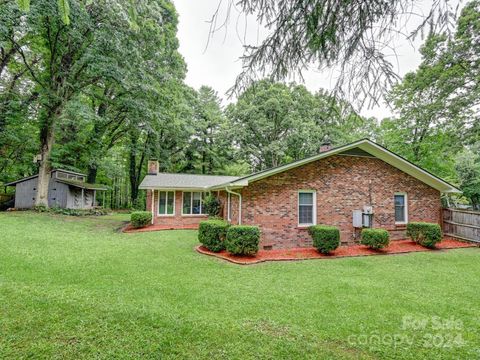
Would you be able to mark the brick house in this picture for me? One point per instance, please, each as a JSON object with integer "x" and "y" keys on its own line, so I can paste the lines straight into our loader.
{"x": 351, "y": 186}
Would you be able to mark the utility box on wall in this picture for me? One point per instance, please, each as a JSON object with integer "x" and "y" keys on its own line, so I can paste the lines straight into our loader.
{"x": 357, "y": 219}
{"x": 363, "y": 218}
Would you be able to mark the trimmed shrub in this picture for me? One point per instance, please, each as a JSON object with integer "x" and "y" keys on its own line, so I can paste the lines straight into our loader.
{"x": 242, "y": 240}
{"x": 325, "y": 238}
{"x": 211, "y": 205}
{"x": 425, "y": 234}
{"x": 140, "y": 219}
{"x": 375, "y": 238}
{"x": 212, "y": 234}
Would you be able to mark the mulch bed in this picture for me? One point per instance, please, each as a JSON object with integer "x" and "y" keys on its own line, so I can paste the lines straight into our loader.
{"x": 130, "y": 229}
{"x": 395, "y": 247}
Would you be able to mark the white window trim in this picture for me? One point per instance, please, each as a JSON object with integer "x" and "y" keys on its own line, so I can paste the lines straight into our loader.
{"x": 191, "y": 203}
{"x": 314, "y": 192}
{"x": 405, "y": 208}
{"x": 158, "y": 203}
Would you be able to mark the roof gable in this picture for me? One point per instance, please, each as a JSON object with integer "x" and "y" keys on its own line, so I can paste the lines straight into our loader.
{"x": 364, "y": 147}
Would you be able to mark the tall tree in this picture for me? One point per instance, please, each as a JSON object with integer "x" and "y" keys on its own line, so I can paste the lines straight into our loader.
{"x": 467, "y": 165}
{"x": 273, "y": 123}
{"x": 208, "y": 143}
{"x": 437, "y": 105}
{"x": 354, "y": 36}
{"x": 60, "y": 61}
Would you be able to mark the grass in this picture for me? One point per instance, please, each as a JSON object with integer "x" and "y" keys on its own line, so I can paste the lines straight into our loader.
{"x": 77, "y": 288}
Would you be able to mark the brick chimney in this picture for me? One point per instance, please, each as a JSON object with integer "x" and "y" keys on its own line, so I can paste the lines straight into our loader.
{"x": 326, "y": 144}
{"x": 152, "y": 167}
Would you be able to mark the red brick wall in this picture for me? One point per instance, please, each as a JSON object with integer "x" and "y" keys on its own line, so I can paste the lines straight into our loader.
{"x": 342, "y": 184}
{"x": 176, "y": 221}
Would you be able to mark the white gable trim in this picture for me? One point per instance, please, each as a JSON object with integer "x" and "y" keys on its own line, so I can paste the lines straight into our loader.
{"x": 367, "y": 145}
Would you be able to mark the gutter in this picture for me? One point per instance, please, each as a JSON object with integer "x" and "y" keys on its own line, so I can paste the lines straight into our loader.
{"x": 239, "y": 203}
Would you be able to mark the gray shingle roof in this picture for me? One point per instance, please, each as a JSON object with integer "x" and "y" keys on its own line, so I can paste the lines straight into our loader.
{"x": 183, "y": 181}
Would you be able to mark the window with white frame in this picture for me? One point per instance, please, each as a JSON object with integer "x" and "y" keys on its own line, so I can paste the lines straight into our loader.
{"x": 306, "y": 207}
{"x": 192, "y": 203}
{"x": 166, "y": 203}
{"x": 401, "y": 209}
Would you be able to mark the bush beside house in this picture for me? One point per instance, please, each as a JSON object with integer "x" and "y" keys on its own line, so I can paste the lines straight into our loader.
{"x": 375, "y": 238}
{"x": 325, "y": 238}
{"x": 425, "y": 234}
{"x": 212, "y": 234}
{"x": 140, "y": 219}
{"x": 212, "y": 205}
{"x": 242, "y": 240}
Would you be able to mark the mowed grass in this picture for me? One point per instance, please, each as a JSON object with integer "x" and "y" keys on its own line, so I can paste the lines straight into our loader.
{"x": 77, "y": 288}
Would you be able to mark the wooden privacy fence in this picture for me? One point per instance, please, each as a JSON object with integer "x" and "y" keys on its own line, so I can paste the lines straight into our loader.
{"x": 462, "y": 224}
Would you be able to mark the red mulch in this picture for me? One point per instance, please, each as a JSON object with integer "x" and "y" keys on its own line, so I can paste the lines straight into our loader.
{"x": 157, "y": 227}
{"x": 395, "y": 247}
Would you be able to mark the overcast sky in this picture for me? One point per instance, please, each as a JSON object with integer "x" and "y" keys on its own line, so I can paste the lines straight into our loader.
{"x": 218, "y": 64}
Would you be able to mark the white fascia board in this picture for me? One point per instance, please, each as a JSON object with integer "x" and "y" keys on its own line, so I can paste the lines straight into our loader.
{"x": 372, "y": 148}
{"x": 408, "y": 168}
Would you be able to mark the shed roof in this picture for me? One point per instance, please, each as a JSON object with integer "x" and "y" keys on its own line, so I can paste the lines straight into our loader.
{"x": 12, "y": 183}
{"x": 82, "y": 185}
{"x": 184, "y": 181}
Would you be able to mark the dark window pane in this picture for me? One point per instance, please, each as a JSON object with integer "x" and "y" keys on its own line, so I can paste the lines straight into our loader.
{"x": 305, "y": 214}
{"x": 399, "y": 200}
{"x": 399, "y": 213}
{"x": 399, "y": 208}
{"x": 197, "y": 200}
{"x": 162, "y": 202}
{"x": 187, "y": 205}
{"x": 305, "y": 198}
{"x": 170, "y": 200}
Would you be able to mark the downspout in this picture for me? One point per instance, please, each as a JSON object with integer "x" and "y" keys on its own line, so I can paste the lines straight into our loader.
{"x": 239, "y": 203}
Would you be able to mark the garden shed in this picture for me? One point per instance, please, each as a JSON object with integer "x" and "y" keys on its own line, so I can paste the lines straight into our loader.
{"x": 67, "y": 189}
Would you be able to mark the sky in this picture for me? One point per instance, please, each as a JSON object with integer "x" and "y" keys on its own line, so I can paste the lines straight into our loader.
{"x": 215, "y": 61}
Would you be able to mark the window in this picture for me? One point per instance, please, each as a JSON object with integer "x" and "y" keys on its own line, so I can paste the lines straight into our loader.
{"x": 166, "y": 203}
{"x": 192, "y": 203}
{"x": 401, "y": 208}
{"x": 306, "y": 208}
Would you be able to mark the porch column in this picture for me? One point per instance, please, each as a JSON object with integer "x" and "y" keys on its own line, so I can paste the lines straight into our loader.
{"x": 153, "y": 205}
{"x": 94, "y": 197}
{"x": 83, "y": 199}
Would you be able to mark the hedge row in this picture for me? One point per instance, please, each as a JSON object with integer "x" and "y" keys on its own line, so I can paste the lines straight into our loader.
{"x": 325, "y": 238}
{"x": 242, "y": 240}
{"x": 425, "y": 234}
{"x": 217, "y": 235}
{"x": 212, "y": 234}
{"x": 375, "y": 238}
{"x": 140, "y": 219}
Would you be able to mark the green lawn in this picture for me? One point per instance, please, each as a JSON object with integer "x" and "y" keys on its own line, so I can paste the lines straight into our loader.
{"x": 77, "y": 288}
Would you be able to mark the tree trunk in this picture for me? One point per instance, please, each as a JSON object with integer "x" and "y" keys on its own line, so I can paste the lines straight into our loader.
{"x": 46, "y": 143}
{"x": 92, "y": 173}
{"x": 47, "y": 138}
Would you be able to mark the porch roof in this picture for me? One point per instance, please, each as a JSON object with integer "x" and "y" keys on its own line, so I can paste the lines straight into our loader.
{"x": 184, "y": 181}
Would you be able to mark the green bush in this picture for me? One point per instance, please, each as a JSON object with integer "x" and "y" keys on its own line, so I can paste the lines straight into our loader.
{"x": 375, "y": 238}
{"x": 211, "y": 205}
{"x": 79, "y": 212}
{"x": 325, "y": 238}
{"x": 425, "y": 234}
{"x": 40, "y": 208}
{"x": 140, "y": 219}
{"x": 242, "y": 240}
{"x": 212, "y": 234}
